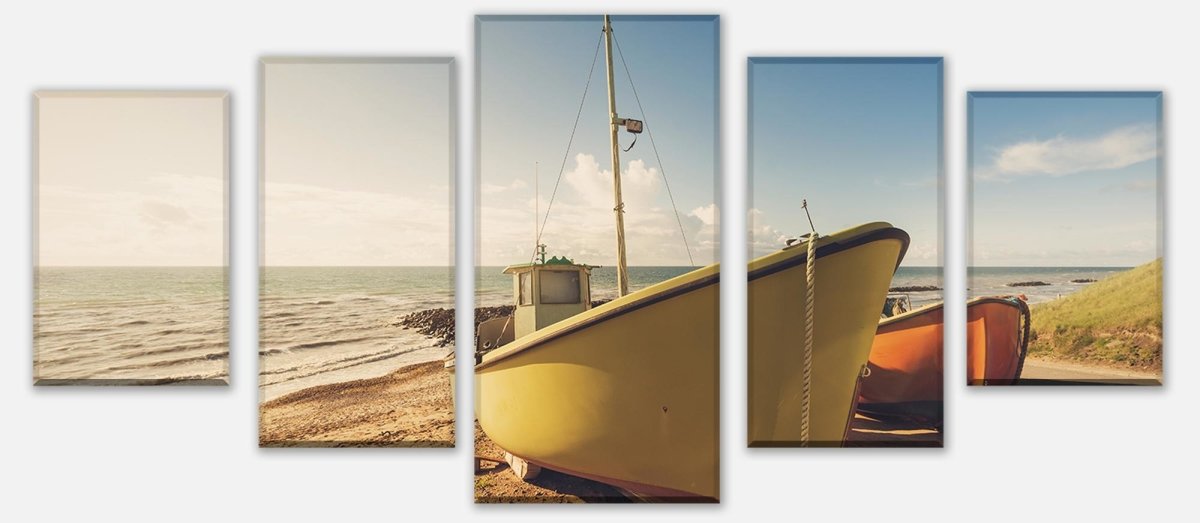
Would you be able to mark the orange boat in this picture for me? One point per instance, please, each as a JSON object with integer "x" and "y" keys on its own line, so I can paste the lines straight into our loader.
{"x": 904, "y": 375}
{"x": 900, "y": 396}
{"x": 905, "y": 368}
{"x": 997, "y": 339}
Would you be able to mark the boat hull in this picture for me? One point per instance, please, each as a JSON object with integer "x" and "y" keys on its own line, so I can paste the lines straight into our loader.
{"x": 906, "y": 364}
{"x": 625, "y": 393}
{"x": 997, "y": 340}
{"x": 853, "y": 271}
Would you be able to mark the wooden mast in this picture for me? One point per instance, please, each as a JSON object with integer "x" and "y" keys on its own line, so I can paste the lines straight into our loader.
{"x": 614, "y": 125}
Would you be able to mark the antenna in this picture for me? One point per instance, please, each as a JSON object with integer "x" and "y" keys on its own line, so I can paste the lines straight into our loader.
{"x": 804, "y": 205}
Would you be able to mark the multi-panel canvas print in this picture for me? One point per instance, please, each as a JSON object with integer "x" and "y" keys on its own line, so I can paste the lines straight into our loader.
{"x": 356, "y": 326}
{"x": 845, "y": 311}
{"x": 596, "y": 339}
{"x": 129, "y": 238}
{"x": 1065, "y": 275}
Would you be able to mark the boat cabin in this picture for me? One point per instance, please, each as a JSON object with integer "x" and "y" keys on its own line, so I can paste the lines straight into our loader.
{"x": 548, "y": 292}
{"x": 544, "y": 292}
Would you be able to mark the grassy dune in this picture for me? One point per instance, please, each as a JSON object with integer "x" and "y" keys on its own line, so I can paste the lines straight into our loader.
{"x": 1115, "y": 321}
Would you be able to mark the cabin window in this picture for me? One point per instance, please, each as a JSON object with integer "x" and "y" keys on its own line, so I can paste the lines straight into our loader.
{"x": 525, "y": 295}
{"x": 559, "y": 286}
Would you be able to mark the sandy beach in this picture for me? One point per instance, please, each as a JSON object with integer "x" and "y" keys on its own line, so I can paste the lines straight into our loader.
{"x": 495, "y": 483}
{"x": 411, "y": 407}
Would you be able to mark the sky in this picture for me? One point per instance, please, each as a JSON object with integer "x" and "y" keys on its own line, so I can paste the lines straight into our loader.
{"x": 858, "y": 138}
{"x": 1064, "y": 179}
{"x": 133, "y": 179}
{"x": 533, "y": 71}
{"x": 358, "y": 168}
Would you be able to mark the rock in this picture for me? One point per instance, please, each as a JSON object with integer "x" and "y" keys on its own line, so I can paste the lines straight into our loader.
{"x": 915, "y": 288}
{"x": 1028, "y": 284}
{"x": 435, "y": 323}
{"x": 1084, "y": 280}
{"x": 439, "y": 323}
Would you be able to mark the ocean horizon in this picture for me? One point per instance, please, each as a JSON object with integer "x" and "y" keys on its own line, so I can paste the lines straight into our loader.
{"x": 995, "y": 280}
{"x": 322, "y": 325}
{"x": 493, "y": 288}
{"x": 131, "y": 323}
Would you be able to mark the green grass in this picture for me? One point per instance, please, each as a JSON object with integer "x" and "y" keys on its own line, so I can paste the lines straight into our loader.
{"x": 1115, "y": 321}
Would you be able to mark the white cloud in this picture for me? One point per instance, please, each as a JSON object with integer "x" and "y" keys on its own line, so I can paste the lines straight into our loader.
{"x": 311, "y": 225}
{"x": 594, "y": 187}
{"x": 173, "y": 219}
{"x": 707, "y": 214}
{"x": 921, "y": 253}
{"x": 491, "y": 188}
{"x": 1063, "y": 155}
{"x": 764, "y": 238}
{"x": 582, "y": 223}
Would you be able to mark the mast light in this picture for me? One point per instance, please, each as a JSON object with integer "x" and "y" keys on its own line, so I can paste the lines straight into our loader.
{"x": 632, "y": 126}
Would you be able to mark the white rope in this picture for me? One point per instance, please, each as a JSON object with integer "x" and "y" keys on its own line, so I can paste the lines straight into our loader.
{"x": 810, "y": 274}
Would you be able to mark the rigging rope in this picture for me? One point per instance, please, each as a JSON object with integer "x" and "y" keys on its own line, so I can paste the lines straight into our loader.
{"x": 646, "y": 123}
{"x": 810, "y": 274}
{"x": 567, "y": 153}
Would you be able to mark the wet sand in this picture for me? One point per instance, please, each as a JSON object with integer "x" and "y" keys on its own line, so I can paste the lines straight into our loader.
{"x": 495, "y": 483}
{"x": 411, "y": 407}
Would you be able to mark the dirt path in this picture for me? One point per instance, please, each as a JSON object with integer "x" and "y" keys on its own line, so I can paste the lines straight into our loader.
{"x": 1048, "y": 372}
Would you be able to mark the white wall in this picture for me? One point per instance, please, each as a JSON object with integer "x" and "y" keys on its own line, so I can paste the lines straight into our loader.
{"x": 190, "y": 454}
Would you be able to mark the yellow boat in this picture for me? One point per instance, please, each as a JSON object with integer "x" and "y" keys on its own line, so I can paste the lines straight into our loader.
{"x": 624, "y": 393}
{"x": 853, "y": 269}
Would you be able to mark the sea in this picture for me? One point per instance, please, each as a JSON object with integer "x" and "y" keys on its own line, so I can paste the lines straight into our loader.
{"x": 131, "y": 323}
{"x": 492, "y": 287}
{"x": 322, "y": 325}
{"x": 919, "y": 277}
{"x": 495, "y": 288}
{"x": 993, "y": 281}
